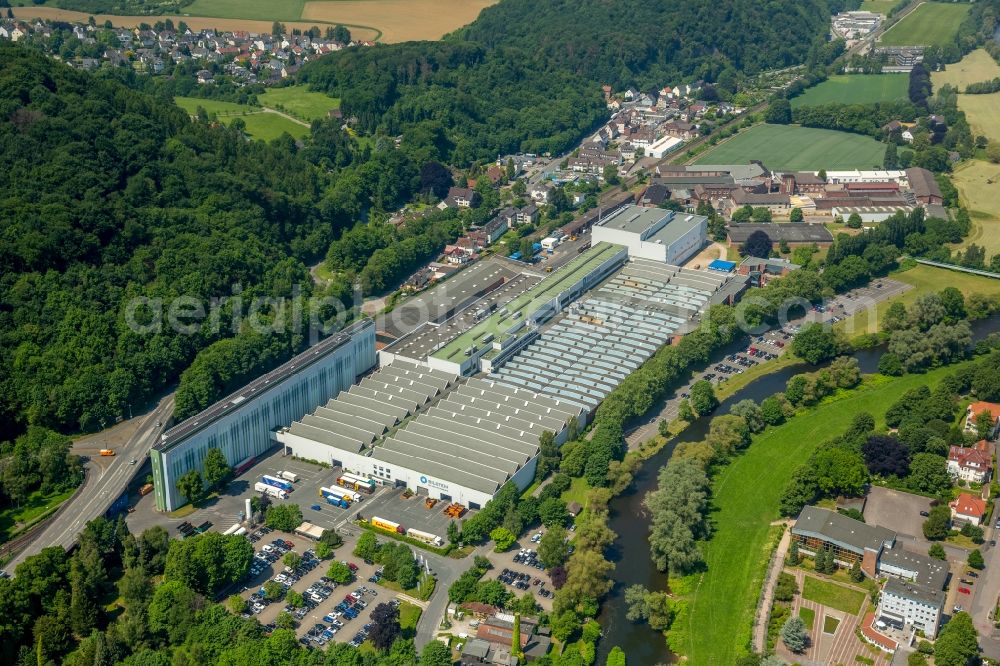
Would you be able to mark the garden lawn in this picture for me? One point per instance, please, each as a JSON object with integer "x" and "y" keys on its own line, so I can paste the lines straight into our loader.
{"x": 925, "y": 279}
{"x": 833, "y": 595}
{"x": 299, "y": 101}
{"x": 808, "y": 616}
{"x": 409, "y": 615}
{"x": 794, "y": 148}
{"x": 855, "y": 89}
{"x": 830, "y": 624}
{"x": 746, "y": 493}
{"x": 930, "y": 24}
{"x": 975, "y": 67}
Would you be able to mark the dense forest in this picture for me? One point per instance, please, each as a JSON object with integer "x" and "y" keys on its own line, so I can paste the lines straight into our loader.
{"x": 524, "y": 77}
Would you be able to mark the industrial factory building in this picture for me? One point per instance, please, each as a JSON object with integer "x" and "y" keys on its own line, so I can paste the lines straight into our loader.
{"x": 442, "y": 436}
{"x": 654, "y": 233}
{"x": 242, "y": 424}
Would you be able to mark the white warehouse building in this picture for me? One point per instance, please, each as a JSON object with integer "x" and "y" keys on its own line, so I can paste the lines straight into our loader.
{"x": 444, "y": 437}
{"x": 242, "y": 425}
{"x": 654, "y": 233}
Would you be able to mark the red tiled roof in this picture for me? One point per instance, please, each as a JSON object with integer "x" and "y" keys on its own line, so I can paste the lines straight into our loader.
{"x": 970, "y": 456}
{"x": 874, "y": 636}
{"x": 968, "y": 505}
{"x": 992, "y": 407}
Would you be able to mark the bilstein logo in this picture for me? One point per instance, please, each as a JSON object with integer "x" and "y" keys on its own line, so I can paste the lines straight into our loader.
{"x": 423, "y": 479}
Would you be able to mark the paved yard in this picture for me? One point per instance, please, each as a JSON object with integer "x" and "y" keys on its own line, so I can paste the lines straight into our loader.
{"x": 896, "y": 510}
{"x": 505, "y": 560}
{"x": 390, "y": 504}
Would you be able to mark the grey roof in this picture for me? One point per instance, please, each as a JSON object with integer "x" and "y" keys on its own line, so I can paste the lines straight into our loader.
{"x": 652, "y": 224}
{"x": 928, "y": 571}
{"x": 792, "y": 233}
{"x": 915, "y": 591}
{"x": 476, "y": 647}
{"x": 230, "y": 403}
{"x": 850, "y": 534}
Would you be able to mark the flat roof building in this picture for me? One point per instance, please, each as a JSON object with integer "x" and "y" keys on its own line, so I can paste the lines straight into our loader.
{"x": 654, "y": 233}
{"x": 788, "y": 232}
{"x": 241, "y": 424}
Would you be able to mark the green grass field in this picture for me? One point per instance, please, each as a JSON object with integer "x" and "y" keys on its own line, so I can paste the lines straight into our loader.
{"x": 982, "y": 113}
{"x": 260, "y": 124}
{"x": 877, "y": 6}
{"x": 793, "y": 148}
{"x": 299, "y": 101}
{"x": 808, "y": 616}
{"x": 833, "y": 595}
{"x": 925, "y": 279}
{"x": 745, "y": 502}
{"x": 37, "y": 505}
{"x": 975, "y": 67}
{"x": 263, "y": 10}
{"x": 930, "y": 24}
{"x": 855, "y": 89}
{"x": 830, "y": 624}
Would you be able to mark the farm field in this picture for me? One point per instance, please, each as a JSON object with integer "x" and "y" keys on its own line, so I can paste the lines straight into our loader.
{"x": 982, "y": 199}
{"x": 264, "y": 10}
{"x": 793, "y": 148}
{"x": 975, "y": 67}
{"x": 717, "y": 627}
{"x": 930, "y": 24}
{"x": 855, "y": 89}
{"x": 398, "y": 20}
{"x": 299, "y": 101}
{"x": 981, "y": 112}
{"x": 925, "y": 279}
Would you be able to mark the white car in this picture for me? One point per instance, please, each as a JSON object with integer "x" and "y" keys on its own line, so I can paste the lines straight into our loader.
{"x": 268, "y": 548}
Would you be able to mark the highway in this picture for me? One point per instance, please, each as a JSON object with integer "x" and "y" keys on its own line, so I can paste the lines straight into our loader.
{"x": 103, "y": 485}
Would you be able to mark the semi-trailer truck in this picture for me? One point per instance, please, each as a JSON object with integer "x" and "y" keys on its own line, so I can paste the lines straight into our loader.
{"x": 337, "y": 501}
{"x": 426, "y": 537}
{"x": 343, "y": 493}
{"x": 387, "y": 525}
{"x": 270, "y": 490}
{"x": 289, "y": 476}
{"x": 277, "y": 483}
{"x": 355, "y": 482}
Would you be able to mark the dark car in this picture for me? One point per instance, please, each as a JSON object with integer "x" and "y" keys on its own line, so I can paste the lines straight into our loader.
{"x": 924, "y": 514}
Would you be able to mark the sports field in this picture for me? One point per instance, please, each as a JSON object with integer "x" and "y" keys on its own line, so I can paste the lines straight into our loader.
{"x": 299, "y": 101}
{"x": 975, "y": 67}
{"x": 978, "y": 184}
{"x": 930, "y": 24}
{"x": 855, "y": 89}
{"x": 793, "y": 148}
{"x": 721, "y": 607}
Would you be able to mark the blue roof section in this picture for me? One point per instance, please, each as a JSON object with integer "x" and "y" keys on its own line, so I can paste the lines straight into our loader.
{"x": 722, "y": 265}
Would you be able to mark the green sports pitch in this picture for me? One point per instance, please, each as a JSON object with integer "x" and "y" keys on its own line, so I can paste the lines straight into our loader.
{"x": 930, "y": 24}
{"x": 855, "y": 89}
{"x": 794, "y": 148}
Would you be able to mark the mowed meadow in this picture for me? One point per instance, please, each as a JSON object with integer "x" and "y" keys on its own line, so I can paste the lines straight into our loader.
{"x": 794, "y": 148}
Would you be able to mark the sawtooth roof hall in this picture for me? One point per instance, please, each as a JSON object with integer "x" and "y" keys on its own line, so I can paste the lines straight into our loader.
{"x": 445, "y": 437}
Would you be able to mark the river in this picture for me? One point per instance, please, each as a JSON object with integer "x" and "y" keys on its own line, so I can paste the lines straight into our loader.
{"x": 628, "y": 519}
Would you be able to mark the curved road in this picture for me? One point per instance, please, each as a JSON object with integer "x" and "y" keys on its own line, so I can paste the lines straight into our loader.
{"x": 102, "y": 486}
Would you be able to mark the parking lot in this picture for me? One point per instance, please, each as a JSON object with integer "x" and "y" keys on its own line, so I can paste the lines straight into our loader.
{"x": 519, "y": 569}
{"x": 329, "y": 613}
{"x": 897, "y": 511}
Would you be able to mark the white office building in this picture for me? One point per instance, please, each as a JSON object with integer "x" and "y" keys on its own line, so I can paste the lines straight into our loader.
{"x": 909, "y": 605}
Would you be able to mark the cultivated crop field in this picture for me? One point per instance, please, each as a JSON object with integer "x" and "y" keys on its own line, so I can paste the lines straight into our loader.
{"x": 983, "y": 114}
{"x": 721, "y": 607}
{"x": 930, "y": 24}
{"x": 977, "y": 66}
{"x": 855, "y": 89}
{"x": 793, "y": 148}
{"x": 398, "y": 20}
{"x": 978, "y": 184}
{"x": 299, "y": 101}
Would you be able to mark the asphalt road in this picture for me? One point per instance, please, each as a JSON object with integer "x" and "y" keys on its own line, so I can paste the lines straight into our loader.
{"x": 103, "y": 485}
{"x": 986, "y": 593}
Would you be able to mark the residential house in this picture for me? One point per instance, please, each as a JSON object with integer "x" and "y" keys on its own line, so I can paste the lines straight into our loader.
{"x": 680, "y": 129}
{"x": 205, "y": 76}
{"x": 977, "y": 408}
{"x": 540, "y": 193}
{"x": 967, "y": 508}
{"x": 654, "y": 195}
{"x": 461, "y": 197}
{"x": 971, "y": 464}
{"x": 527, "y": 215}
{"x": 456, "y": 255}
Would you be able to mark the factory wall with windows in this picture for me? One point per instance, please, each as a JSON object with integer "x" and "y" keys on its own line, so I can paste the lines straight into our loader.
{"x": 242, "y": 424}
